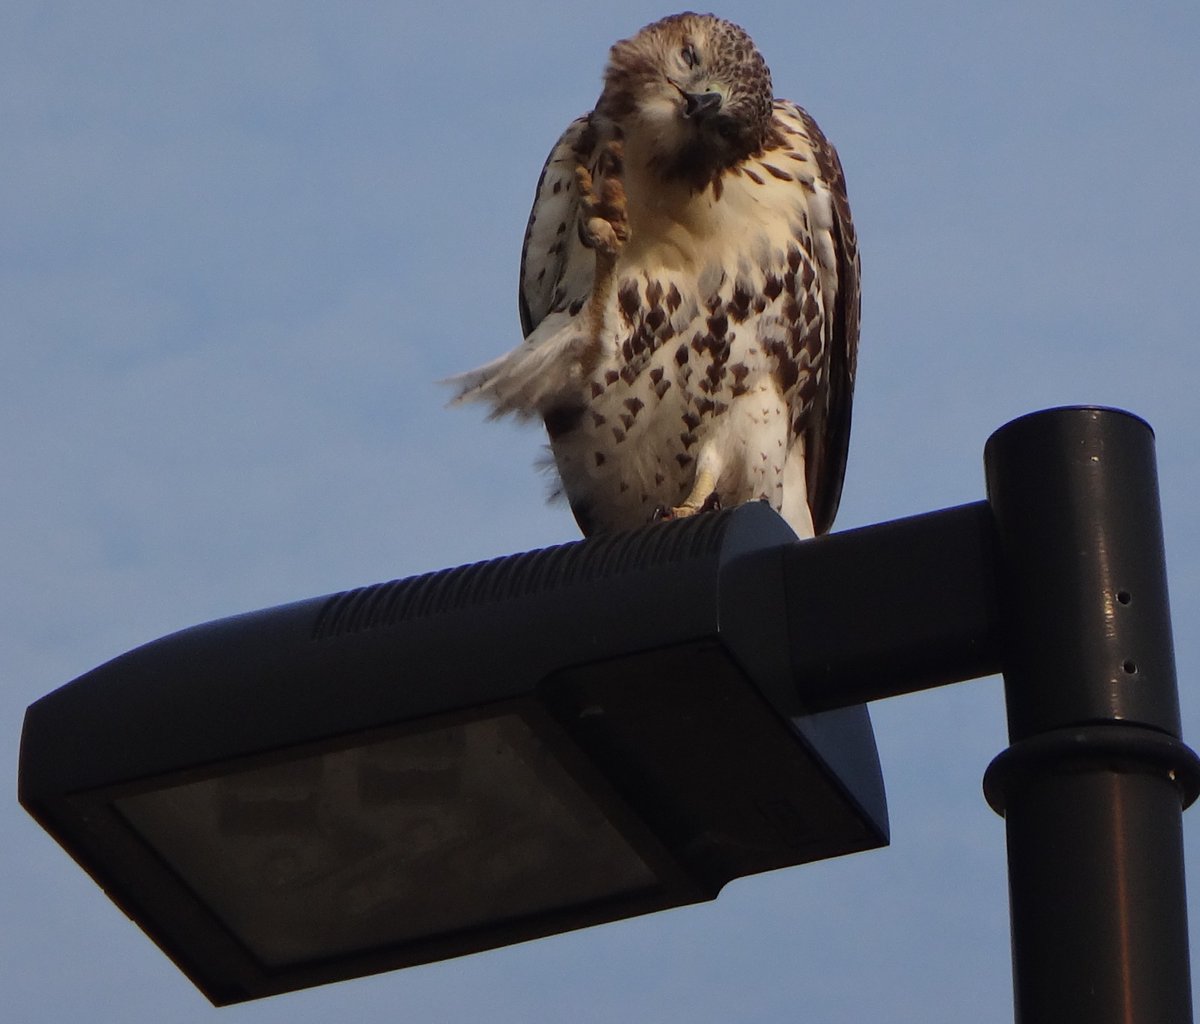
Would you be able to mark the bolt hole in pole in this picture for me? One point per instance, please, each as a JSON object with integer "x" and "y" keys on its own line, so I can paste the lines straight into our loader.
{"x": 1124, "y": 597}
{"x": 1130, "y": 667}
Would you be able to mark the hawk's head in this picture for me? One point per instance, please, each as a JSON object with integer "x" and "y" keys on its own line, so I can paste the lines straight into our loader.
{"x": 692, "y": 92}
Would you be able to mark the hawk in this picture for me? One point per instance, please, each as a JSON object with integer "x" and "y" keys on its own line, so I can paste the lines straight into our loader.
{"x": 689, "y": 293}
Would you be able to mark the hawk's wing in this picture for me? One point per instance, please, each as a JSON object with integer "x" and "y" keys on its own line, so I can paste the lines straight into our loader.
{"x": 827, "y": 437}
{"x": 556, "y": 269}
{"x": 556, "y": 278}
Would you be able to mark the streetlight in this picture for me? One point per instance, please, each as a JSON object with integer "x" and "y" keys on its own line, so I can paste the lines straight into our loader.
{"x": 434, "y": 766}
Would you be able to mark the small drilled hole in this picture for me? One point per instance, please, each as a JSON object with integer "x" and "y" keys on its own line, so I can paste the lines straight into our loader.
{"x": 1130, "y": 667}
{"x": 1124, "y": 597}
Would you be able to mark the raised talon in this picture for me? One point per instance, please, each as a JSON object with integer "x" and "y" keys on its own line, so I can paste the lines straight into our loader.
{"x": 600, "y": 234}
{"x": 605, "y": 226}
{"x": 612, "y": 159}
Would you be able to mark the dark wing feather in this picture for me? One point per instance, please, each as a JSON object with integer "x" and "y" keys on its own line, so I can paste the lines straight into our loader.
{"x": 827, "y": 439}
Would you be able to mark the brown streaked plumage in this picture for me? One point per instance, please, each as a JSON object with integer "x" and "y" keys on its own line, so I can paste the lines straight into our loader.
{"x": 689, "y": 292}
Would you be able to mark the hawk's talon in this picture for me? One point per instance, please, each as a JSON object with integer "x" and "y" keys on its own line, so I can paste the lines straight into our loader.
{"x": 604, "y": 225}
{"x": 669, "y": 513}
{"x": 600, "y": 235}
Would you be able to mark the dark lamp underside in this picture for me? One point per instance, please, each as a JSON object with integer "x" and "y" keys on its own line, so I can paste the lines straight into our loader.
{"x": 385, "y": 844}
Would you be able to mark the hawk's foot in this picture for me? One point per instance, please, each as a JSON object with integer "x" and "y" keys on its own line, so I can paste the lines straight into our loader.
{"x": 605, "y": 225}
{"x": 711, "y": 502}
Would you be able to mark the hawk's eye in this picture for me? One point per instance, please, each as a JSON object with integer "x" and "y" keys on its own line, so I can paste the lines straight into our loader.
{"x": 690, "y": 57}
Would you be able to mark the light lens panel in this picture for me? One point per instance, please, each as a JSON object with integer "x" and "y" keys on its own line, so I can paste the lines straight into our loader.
{"x": 411, "y": 836}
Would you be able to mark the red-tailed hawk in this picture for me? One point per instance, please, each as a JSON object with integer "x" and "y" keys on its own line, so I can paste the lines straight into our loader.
{"x": 689, "y": 293}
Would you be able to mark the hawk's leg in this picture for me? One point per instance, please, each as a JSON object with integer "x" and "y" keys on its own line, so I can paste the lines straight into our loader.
{"x": 703, "y": 498}
{"x": 604, "y": 227}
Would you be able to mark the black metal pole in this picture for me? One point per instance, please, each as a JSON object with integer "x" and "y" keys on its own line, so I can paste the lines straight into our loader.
{"x": 1094, "y": 783}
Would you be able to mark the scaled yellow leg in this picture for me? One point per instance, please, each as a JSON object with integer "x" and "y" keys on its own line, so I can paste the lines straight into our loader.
{"x": 700, "y": 496}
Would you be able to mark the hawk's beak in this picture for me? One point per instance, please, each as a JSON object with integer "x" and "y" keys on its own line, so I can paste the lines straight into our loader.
{"x": 698, "y": 104}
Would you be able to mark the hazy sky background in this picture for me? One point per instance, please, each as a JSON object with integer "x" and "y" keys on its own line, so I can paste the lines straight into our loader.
{"x": 240, "y": 241}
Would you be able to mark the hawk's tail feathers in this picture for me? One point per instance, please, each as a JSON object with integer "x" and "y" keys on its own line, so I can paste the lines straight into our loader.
{"x": 527, "y": 381}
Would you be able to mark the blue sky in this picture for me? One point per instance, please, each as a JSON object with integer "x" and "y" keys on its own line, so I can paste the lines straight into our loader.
{"x": 240, "y": 242}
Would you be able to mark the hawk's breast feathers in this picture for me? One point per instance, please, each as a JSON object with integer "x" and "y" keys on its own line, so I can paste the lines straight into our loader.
{"x": 689, "y": 292}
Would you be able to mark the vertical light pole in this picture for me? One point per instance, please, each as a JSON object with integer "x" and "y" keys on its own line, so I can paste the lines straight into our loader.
{"x": 1093, "y": 785}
